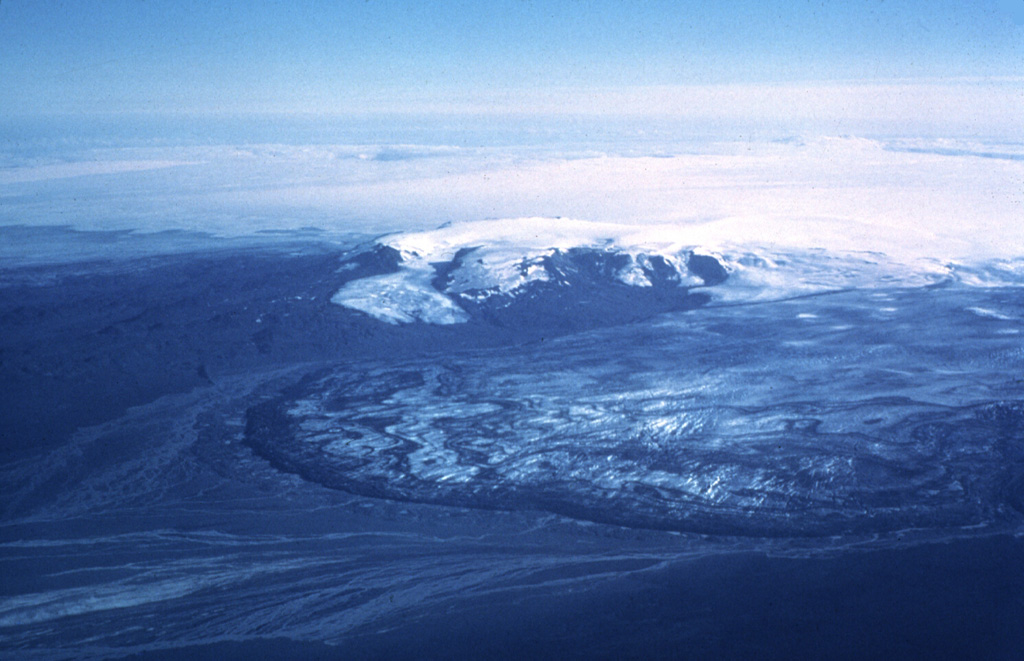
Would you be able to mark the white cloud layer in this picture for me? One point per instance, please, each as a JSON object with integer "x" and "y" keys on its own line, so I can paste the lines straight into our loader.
{"x": 989, "y": 105}
{"x": 906, "y": 197}
{"x": 945, "y": 199}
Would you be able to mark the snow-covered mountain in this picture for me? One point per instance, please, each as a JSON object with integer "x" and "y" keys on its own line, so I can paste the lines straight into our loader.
{"x": 486, "y": 269}
{"x": 577, "y": 270}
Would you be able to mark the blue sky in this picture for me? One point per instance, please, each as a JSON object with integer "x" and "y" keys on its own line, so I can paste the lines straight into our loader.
{"x": 296, "y": 56}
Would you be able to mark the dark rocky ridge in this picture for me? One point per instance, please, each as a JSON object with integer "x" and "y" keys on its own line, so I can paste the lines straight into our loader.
{"x": 583, "y": 290}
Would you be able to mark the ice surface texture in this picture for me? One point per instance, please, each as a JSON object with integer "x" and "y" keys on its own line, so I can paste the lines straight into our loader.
{"x": 819, "y": 416}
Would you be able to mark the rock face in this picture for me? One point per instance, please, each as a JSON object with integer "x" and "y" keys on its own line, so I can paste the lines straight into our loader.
{"x": 580, "y": 288}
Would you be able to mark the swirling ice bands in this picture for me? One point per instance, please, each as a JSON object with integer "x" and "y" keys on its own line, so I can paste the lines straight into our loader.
{"x": 702, "y": 430}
